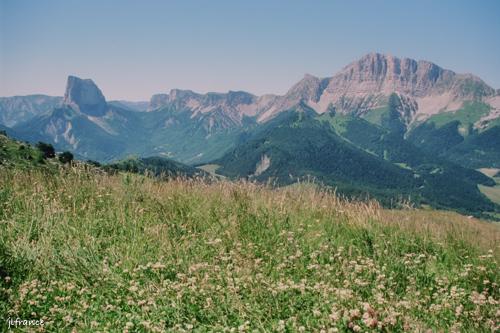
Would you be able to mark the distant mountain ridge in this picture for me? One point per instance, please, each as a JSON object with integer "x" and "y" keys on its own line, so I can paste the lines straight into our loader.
{"x": 420, "y": 89}
{"x": 424, "y": 88}
{"x": 17, "y": 109}
{"x": 363, "y": 88}
{"x": 140, "y": 106}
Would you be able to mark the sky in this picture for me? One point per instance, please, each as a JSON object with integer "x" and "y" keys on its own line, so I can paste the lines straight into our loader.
{"x": 133, "y": 49}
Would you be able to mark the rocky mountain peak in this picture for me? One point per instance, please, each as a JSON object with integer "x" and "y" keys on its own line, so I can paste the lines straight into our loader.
{"x": 176, "y": 94}
{"x": 308, "y": 76}
{"x": 385, "y": 73}
{"x": 309, "y": 88}
{"x": 85, "y": 96}
{"x": 418, "y": 78}
{"x": 157, "y": 101}
{"x": 235, "y": 98}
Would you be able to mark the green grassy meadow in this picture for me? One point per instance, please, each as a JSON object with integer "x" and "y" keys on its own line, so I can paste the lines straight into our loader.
{"x": 87, "y": 251}
{"x": 492, "y": 192}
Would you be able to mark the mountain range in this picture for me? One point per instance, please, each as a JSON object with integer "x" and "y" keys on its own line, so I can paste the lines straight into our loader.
{"x": 385, "y": 126}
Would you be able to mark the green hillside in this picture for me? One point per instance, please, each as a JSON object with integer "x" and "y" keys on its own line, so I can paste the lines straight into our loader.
{"x": 299, "y": 147}
{"x": 479, "y": 150}
{"x": 18, "y": 154}
{"x": 453, "y": 136}
{"x": 171, "y": 132}
{"x": 365, "y": 160}
{"x": 388, "y": 117}
{"x": 441, "y": 177}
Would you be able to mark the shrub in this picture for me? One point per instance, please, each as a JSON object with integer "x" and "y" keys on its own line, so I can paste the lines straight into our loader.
{"x": 65, "y": 157}
{"x": 46, "y": 149}
{"x": 94, "y": 163}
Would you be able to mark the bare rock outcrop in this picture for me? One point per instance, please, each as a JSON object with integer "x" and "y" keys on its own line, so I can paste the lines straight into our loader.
{"x": 84, "y": 96}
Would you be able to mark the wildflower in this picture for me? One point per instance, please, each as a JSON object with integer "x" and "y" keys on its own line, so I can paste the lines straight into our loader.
{"x": 158, "y": 265}
{"x": 334, "y": 315}
{"x": 458, "y": 310}
{"x": 369, "y": 321}
{"x": 354, "y": 313}
{"x": 368, "y": 309}
{"x": 477, "y": 298}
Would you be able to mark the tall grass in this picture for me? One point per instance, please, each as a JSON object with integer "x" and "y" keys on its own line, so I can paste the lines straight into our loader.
{"x": 92, "y": 252}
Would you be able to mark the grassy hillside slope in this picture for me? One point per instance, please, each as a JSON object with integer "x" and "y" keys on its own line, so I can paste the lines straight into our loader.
{"x": 88, "y": 251}
{"x": 479, "y": 150}
{"x": 452, "y": 135}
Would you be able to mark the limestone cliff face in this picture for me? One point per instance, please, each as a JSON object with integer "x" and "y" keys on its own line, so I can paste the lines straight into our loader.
{"x": 366, "y": 84}
{"x": 157, "y": 100}
{"x": 85, "y": 96}
{"x": 386, "y": 74}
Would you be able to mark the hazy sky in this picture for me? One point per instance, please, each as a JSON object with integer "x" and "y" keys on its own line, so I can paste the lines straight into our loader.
{"x": 133, "y": 49}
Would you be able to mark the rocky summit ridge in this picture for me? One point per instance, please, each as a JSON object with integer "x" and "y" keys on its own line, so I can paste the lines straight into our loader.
{"x": 423, "y": 87}
{"x": 365, "y": 84}
{"x": 84, "y": 96}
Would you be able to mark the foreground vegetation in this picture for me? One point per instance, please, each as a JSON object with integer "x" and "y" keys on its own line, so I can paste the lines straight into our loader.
{"x": 92, "y": 252}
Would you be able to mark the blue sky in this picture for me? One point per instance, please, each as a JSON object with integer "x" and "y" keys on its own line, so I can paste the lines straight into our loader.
{"x": 133, "y": 49}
